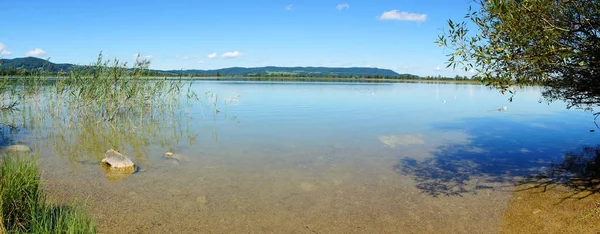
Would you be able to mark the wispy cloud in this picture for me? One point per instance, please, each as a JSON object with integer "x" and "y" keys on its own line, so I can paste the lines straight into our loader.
{"x": 35, "y": 53}
{"x": 233, "y": 54}
{"x": 138, "y": 56}
{"x": 288, "y": 7}
{"x": 342, "y": 6}
{"x": 3, "y": 50}
{"x": 437, "y": 68}
{"x": 226, "y": 55}
{"x": 186, "y": 57}
{"x": 402, "y": 16}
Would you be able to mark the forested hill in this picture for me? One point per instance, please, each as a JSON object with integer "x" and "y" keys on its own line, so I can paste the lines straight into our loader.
{"x": 32, "y": 63}
{"x": 293, "y": 71}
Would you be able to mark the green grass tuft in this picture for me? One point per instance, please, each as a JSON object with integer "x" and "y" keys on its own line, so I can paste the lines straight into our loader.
{"x": 23, "y": 205}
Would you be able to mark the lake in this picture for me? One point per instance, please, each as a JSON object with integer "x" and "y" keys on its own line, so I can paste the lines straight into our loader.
{"x": 325, "y": 158}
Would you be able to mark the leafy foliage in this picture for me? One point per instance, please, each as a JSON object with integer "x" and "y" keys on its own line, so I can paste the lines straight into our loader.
{"x": 520, "y": 42}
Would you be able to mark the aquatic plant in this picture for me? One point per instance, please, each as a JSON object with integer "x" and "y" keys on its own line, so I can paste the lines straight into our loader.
{"x": 108, "y": 104}
{"x": 23, "y": 206}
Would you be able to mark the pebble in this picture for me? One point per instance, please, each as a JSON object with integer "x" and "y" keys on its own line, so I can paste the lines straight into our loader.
{"x": 201, "y": 200}
{"x": 174, "y": 192}
{"x": 336, "y": 182}
{"x": 132, "y": 194}
{"x": 307, "y": 186}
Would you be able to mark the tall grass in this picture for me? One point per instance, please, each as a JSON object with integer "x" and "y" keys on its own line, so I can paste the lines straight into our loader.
{"x": 107, "y": 104}
{"x": 110, "y": 104}
{"x": 110, "y": 90}
{"x": 23, "y": 206}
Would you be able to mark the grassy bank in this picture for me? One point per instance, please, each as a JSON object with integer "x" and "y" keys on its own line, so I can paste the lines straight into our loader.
{"x": 23, "y": 206}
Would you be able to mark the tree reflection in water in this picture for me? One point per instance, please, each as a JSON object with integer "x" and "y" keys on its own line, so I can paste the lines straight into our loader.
{"x": 503, "y": 157}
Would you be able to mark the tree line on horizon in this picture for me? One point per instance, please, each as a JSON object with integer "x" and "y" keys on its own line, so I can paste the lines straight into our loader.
{"x": 40, "y": 67}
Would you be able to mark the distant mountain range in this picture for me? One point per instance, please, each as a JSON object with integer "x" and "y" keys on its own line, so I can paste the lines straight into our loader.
{"x": 32, "y": 63}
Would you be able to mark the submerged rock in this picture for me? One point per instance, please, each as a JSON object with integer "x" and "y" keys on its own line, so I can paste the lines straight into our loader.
{"x": 117, "y": 175}
{"x": 396, "y": 140}
{"x": 176, "y": 157}
{"x": 306, "y": 186}
{"x": 18, "y": 148}
{"x": 117, "y": 161}
{"x": 201, "y": 200}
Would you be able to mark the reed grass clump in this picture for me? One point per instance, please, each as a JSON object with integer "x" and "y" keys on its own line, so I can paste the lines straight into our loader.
{"x": 110, "y": 90}
{"x": 23, "y": 206}
{"x": 109, "y": 104}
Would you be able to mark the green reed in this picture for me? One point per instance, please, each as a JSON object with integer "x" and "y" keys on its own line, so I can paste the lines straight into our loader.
{"x": 110, "y": 104}
{"x": 23, "y": 206}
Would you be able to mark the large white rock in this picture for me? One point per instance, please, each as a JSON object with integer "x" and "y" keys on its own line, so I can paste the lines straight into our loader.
{"x": 118, "y": 161}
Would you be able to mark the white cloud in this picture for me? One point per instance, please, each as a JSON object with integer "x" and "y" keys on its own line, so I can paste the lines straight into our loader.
{"x": 342, "y": 6}
{"x": 402, "y": 16}
{"x": 35, "y": 53}
{"x": 143, "y": 57}
{"x": 226, "y": 55}
{"x": 200, "y": 62}
{"x": 472, "y": 70}
{"x": 288, "y": 7}
{"x": 3, "y": 50}
{"x": 186, "y": 57}
{"x": 437, "y": 68}
{"x": 233, "y": 54}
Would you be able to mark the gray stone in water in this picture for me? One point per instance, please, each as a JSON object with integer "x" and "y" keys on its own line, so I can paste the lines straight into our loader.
{"x": 118, "y": 161}
{"x": 18, "y": 148}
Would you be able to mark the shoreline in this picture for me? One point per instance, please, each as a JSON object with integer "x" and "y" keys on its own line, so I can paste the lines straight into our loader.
{"x": 291, "y": 79}
{"x": 324, "y": 79}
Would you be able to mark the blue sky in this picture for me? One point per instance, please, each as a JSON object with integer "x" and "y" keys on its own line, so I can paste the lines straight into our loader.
{"x": 397, "y": 35}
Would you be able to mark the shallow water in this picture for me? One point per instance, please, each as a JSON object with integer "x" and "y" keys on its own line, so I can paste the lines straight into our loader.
{"x": 330, "y": 158}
